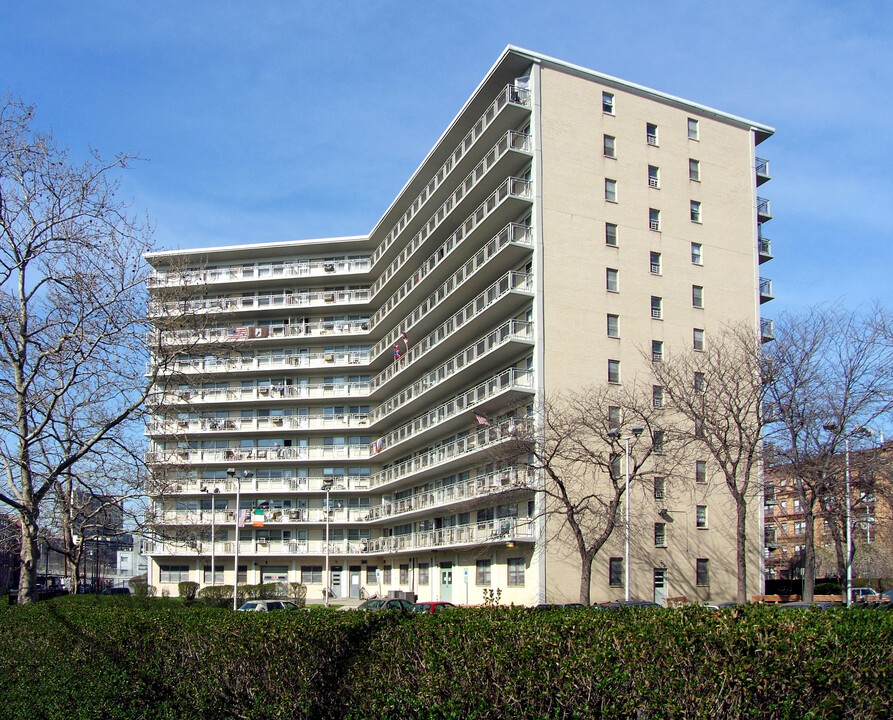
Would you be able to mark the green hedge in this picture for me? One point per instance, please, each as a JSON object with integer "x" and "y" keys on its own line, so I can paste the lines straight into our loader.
{"x": 78, "y": 658}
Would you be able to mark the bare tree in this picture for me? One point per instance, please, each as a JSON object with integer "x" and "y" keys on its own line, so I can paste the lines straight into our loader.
{"x": 578, "y": 445}
{"x": 72, "y": 311}
{"x": 720, "y": 394}
{"x": 832, "y": 375}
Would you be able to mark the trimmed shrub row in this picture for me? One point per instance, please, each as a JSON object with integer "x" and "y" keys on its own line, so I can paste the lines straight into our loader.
{"x": 132, "y": 658}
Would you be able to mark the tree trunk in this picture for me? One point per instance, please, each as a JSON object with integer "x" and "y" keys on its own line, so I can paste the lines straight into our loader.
{"x": 585, "y": 576}
{"x": 741, "y": 546}
{"x": 30, "y": 556}
{"x": 809, "y": 554}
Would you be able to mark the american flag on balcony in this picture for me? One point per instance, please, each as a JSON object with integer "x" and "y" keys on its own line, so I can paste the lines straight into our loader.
{"x": 243, "y": 518}
{"x": 397, "y": 353}
{"x": 405, "y": 340}
{"x": 375, "y": 446}
{"x": 238, "y": 333}
{"x": 482, "y": 420}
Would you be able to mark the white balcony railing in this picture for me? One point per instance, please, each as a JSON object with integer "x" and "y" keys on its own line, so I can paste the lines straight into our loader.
{"x": 259, "y": 271}
{"x": 196, "y": 395}
{"x": 262, "y": 301}
{"x": 201, "y": 366}
{"x": 506, "y": 530}
{"x": 267, "y": 454}
{"x": 275, "y": 423}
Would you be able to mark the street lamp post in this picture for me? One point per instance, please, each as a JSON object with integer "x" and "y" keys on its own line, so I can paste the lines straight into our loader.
{"x": 616, "y": 433}
{"x": 860, "y": 431}
{"x": 205, "y": 489}
{"x": 245, "y": 474}
{"x": 327, "y": 486}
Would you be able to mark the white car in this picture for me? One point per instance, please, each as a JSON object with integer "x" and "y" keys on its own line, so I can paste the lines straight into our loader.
{"x": 857, "y": 594}
{"x": 267, "y": 606}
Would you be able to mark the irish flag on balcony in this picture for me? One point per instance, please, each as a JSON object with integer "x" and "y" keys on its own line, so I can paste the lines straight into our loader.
{"x": 257, "y": 517}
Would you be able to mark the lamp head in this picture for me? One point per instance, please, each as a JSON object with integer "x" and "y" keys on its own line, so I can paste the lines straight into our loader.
{"x": 614, "y": 432}
{"x": 638, "y": 430}
{"x": 830, "y": 426}
{"x": 231, "y": 472}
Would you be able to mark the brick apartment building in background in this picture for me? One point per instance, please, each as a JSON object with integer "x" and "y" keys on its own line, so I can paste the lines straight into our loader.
{"x": 564, "y": 221}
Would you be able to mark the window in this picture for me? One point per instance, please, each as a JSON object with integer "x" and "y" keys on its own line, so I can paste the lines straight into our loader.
{"x": 515, "y": 571}
{"x": 614, "y": 371}
{"x": 482, "y": 576}
{"x": 654, "y": 219}
{"x": 699, "y": 383}
{"x": 371, "y": 576}
{"x": 657, "y": 305}
{"x": 653, "y": 176}
{"x": 615, "y": 419}
{"x": 655, "y": 263}
{"x": 386, "y": 575}
{"x": 174, "y": 573}
{"x": 613, "y": 326}
{"x": 612, "y": 280}
{"x": 695, "y": 211}
{"x": 404, "y": 574}
{"x": 218, "y": 574}
{"x": 242, "y": 574}
{"x": 610, "y": 190}
{"x": 657, "y": 396}
{"x": 424, "y": 573}
{"x": 608, "y": 103}
{"x": 694, "y": 170}
{"x": 696, "y": 257}
{"x": 697, "y": 335}
{"x": 701, "y": 517}
{"x": 657, "y": 351}
{"x": 651, "y": 133}
{"x": 660, "y": 534}
{"x": 311, "y": 574}
{"x": 615, "y": 572}
{"x": 611, "y": 234}
{"x": 799, "y": 528}
{"x": 702, "y": 572}
{"x": 660, "y": 488}
{"x": 609, "y": 146}
{"x": 658, "y": 442}
{"x": 699, "y": 427}
{"x": 616, "y": 468}
{"x": 701, "y": 472}
{"x": 692, "y": 129}
{"x": 697, "y": 296}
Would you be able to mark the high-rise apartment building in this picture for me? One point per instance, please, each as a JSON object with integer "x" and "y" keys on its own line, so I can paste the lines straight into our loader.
{"x": 350, "y": 391}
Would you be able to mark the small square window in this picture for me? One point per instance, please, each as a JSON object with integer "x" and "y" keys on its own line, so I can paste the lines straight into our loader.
{"x": 660, "y": 488}
{"x": 703, "y": 572}
{"x": 610, "y": 190}
{"x": 696, "y": 254}
{"x": 657, "y": 396}
{"x": 694, "y": 170}
{"x": 609, "y": 148}
{"x": 660, "y": 534}
{"x": 608, "y": 103}
{"x": 692, "y": 129}
{"x": 614, "y": 371}
{"x": 697, "y": 296}
{"x": 654, "y": 219}
{"x": 695, "y": 211}
{"x": 651, "y": 133}
{"x": 701, "y": 472}
{"x": 697, "y": 336}
{"x": 657, "y": 307}
{"x": 615, "y": 572}
{"x": 701, "y": 517}
{"x": 653, "y": 176}
{"x": 515, "y": 571}
{"x": 657, "y": 351}
{"x": 611, "y": 234}
{"x": 612, "y": 280}
{"x": 613, "y": 326}
{"x": 655, "y": 263}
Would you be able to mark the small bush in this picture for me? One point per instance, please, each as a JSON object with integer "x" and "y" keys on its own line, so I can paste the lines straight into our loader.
{"x": 216, "y": 595}
{"x": 187, "y": 590}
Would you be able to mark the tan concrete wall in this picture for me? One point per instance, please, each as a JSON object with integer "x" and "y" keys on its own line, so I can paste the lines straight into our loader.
{"x": 576, "y": 302}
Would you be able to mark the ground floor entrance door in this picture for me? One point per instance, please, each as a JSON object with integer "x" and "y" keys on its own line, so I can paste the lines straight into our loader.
{"x": 446, "y": 581}
{"x": 355, "y": 581}
{"x": 336, "y": 580}
{"x": 660, "y": 586}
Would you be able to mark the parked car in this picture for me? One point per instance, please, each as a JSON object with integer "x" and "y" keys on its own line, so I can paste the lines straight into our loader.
{"x": 626, "y": 604}
{"x": 377, "y": 604}
{"x": 860, "y": 594}
{"x": 803, "y": 605}
{"x": 267, "y": 605}
{"x": 431, "y": 607}
{"x": 116, "y": 591}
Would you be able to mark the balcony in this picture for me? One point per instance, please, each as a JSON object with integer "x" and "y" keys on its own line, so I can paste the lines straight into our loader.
{"x": 766, "y": 290}
{"x": 764, "y": 212}
{"x": 190, "y": 456}
{"x": 508, "y": 480}
{"x": 208, "y": 396}
{"x": 260, "y": 271}
{"x": 762, "y": 171}
{"x": 485, "y": 533}
{"x": 767, "y": 330}
{"x": 764, "y": 248}
{"x": 508, "y": 97}
{"x": 284, "y": 299}
{"x": 275, "y": 423}
{"x": 236, "y": 336}
{"x": 240, "y": 363}
{"x": 253, "y": 484}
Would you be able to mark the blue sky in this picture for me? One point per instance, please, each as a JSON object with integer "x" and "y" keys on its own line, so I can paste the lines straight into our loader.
{"x": 264, "y": 121}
